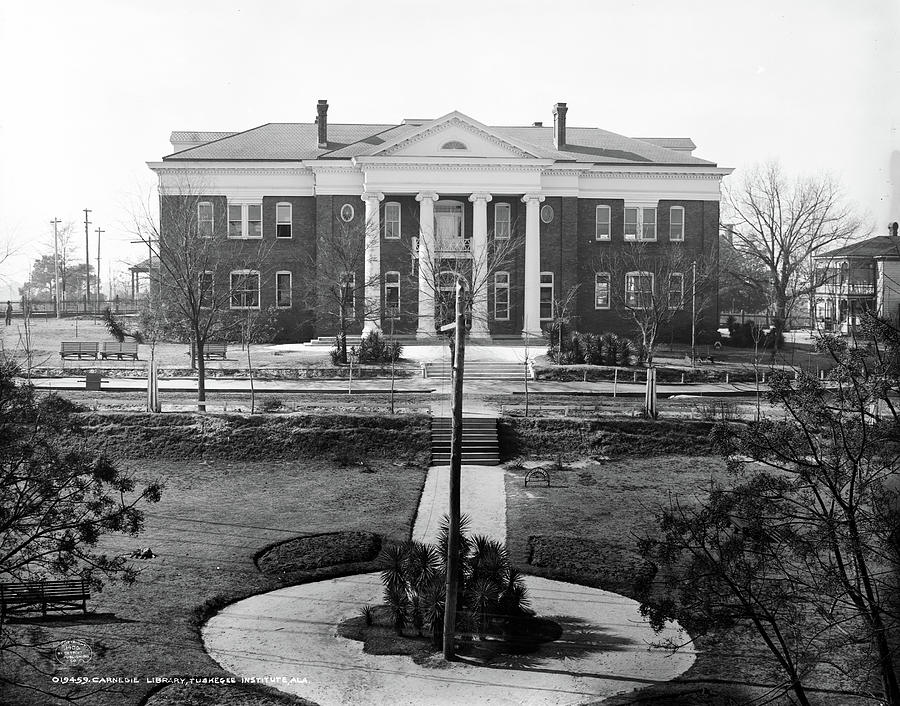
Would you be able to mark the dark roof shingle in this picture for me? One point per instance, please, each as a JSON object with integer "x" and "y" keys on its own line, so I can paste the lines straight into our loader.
{"x": 298, "y": 141}
{"x": 879, "y": 246}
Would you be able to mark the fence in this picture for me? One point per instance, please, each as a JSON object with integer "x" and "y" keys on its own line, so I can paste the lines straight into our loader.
{"x": 47, "y": 308}
{"x": 764, "y": 319}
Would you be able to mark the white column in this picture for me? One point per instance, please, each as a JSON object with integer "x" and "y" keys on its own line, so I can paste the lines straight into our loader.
{"x": 480, "y": 275}
{"x": 427, "y": 263}
{"x": 373, "y": 263}
{"x": 532, "y": 323}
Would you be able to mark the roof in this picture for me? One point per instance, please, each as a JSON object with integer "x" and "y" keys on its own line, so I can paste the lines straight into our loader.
{"x": 672, "y": 143}
{"x": 299, "y": 141}
{"x": 879, "y": 246}
{"x": 199, "y": 136}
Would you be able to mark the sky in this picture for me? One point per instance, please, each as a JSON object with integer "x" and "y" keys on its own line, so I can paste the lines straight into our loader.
{"x": 92, "y": 89}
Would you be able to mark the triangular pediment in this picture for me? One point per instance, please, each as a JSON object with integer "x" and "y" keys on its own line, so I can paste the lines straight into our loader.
{"x": 456, "y": 135}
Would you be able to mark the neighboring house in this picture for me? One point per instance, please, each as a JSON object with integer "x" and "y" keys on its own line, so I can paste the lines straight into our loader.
{"x": 859, "y": 277}
{"x": 450, "y": 189}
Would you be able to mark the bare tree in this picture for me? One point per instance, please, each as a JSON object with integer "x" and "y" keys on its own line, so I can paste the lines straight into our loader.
{"x": 197, "y": 284}
{"x": 338, "y": 291}
{"x": 653, "y": 284}
{"x": 803, "y": 545}
{"x": 445, "y": 260}
{"x": 781, "y": 225}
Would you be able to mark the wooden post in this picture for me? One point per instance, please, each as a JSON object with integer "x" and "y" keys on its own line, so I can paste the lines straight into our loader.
{"x": 455, "y": 469}
{"x": 615, "y": 380}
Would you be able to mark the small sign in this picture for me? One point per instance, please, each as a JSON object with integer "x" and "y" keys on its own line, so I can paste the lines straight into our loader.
{"x": 74, "y": 653}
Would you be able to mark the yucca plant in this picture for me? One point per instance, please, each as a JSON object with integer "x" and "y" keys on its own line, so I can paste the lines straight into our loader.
{"x": 398, "y": 604}
{"x": 432, "y": 604}
{"x": 607, "y": 346}
{"x": 483, "y": 595}
{"x": 367, "y": 614}
{"x": 392, "y": 562}
{"x": 514, "y": 599}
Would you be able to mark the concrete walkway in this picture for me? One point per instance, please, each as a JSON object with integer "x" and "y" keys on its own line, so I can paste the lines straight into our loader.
{"x": 474, "y": 388}
{"x": 482, "y": 497}
{"x": 290, "y": 634}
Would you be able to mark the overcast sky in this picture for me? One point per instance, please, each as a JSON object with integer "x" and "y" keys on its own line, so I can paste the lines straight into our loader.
{"x": 92, "y": 89}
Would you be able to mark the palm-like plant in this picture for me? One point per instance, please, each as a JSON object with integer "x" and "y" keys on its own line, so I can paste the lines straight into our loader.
{"x": 392, "y": 561}
{"x": 398, "y": 604}
{"x": 483, "y": 595}
{"x": 414, "y": 577}
{"x": 432, "y": 606}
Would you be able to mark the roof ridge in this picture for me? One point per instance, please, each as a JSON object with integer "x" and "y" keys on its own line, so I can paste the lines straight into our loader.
{"x": 218, "y": 139}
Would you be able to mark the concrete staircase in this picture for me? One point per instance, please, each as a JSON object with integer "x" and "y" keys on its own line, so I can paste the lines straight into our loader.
{"x": 479, "y": 370}
{"x": 480, "y": 445}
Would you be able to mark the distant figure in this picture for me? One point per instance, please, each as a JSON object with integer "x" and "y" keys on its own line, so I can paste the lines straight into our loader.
{"x": 8, "y": 312}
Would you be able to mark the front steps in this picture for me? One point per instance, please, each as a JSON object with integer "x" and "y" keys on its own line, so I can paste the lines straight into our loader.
{"x": 479, "y": 370}
{"x": 480, "y": 445}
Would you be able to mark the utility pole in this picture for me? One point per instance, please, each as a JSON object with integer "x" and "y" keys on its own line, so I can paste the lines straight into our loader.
{"x": 55, "y": 222}
{"x": 693, "y": 313}
{"x": 455, "y": 468}
{"x": 98, "y": 231}
{"x": 87, "y": 260}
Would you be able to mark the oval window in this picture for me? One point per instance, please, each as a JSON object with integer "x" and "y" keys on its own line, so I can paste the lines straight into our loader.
{"x": 347, "y": 213}
{"x": 546, "y": 213}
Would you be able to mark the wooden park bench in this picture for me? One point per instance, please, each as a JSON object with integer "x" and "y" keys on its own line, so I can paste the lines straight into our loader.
{"x": 23, "y": 597}
{"x": 126, "y": 349}
{"x": 68, "y": 349}
{"x": 215, "y": 350}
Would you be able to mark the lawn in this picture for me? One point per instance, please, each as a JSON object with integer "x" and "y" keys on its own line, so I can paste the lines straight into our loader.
{"x": 46, "y": 335}
{"x": 213, "y": 519}
{"x": 307, "y": 402}
{"x": 584, "y": 529}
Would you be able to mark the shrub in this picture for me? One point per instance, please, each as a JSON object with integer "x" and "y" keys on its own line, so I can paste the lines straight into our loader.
{"x": 272, "y": 404}
{"x": 491, "y": 591}
{"x": 590, "y": 348}
{"x": 625, "y": 351}
{"x": 375, "y": 349}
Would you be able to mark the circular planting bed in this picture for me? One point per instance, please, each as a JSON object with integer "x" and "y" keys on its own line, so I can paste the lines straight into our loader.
{"x": 292, "y": 636}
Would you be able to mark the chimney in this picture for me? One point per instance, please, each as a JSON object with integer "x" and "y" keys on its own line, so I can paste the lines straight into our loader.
{"x": 322, "y": 121}
{"x": 559, "y": 125}
{"x": 892, "y": 229}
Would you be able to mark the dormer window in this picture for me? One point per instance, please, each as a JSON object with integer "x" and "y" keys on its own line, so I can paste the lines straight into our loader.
{"x": 454, "y": 145}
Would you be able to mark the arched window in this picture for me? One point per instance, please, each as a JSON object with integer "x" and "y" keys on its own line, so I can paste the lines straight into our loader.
{"x": 454, "y": 145}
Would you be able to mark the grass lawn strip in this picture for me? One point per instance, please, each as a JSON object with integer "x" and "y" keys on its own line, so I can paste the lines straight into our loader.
{"x": 584, "y": 529}
{"x": 213, "y": 519}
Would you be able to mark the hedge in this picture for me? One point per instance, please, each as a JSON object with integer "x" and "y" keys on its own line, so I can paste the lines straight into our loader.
{"x": 536, "y": 436}
{"x": 594, "y": 373}
{"x": 256, "y": 437}
{"x": 298, "y": 373}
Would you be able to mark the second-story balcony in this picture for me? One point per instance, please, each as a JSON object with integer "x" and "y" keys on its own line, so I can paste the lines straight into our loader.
{"x": 851, "y": 289}
{"x": 458, "y": 247}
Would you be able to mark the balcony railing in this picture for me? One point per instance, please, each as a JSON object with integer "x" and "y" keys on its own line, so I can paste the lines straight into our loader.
{"x": 456, "y": 246}
{"x": 853, "y": 288}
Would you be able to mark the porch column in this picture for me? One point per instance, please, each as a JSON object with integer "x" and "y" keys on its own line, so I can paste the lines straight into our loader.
{"x": 372, "y": 305}
{"x": 427, "y": 262}
{"x": 532, "y": 322}
{"x": 480, "y": 274}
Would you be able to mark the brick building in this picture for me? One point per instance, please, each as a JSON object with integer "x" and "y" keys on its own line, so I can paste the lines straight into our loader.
{"x": 450, "y": 190}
